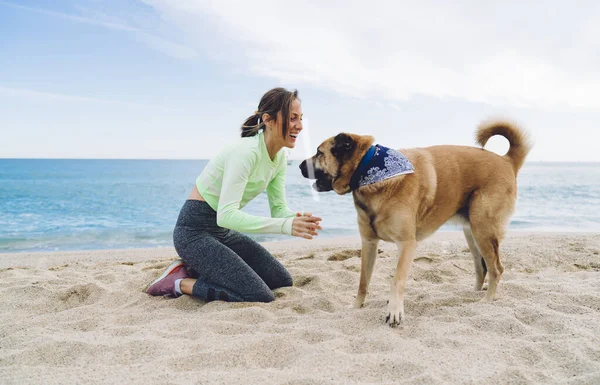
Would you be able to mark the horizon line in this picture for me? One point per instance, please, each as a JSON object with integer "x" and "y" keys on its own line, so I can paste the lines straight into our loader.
{"x": 292, "y": 159}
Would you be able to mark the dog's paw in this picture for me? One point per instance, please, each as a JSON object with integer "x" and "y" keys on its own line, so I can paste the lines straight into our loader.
{"x": 358, "y": 303}
{"x": 395, "y": 315}
{"x": 394, "y": 319}
{"x": 486, "y": 299}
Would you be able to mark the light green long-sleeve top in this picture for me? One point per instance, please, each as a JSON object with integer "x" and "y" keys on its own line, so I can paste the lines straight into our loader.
{"x": 237, "y": 175}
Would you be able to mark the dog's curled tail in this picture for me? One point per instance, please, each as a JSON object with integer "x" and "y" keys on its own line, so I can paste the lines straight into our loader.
{"x": 519, "y": 140}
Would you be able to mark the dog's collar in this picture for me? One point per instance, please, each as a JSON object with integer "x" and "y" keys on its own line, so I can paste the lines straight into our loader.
{"x": 362, "y": 167}
{"x": 379, "y": 163}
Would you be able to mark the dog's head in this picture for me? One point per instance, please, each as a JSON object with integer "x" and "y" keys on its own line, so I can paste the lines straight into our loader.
{"x": 335, "y": 161}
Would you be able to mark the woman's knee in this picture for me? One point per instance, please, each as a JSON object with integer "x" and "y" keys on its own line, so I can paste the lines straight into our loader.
{"x": 261, "y": 296}
{"x": 286, "y": 280}
{"x": 283, "y": 279}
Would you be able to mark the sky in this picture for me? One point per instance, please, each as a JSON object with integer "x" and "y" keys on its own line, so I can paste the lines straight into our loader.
{"x": 165, "y": 79}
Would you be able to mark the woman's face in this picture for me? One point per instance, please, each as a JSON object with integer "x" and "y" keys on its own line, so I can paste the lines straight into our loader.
{"x": 294, "y": 125}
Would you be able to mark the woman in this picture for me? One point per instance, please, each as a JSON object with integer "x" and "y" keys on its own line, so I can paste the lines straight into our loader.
{"x": 217, "y": 261}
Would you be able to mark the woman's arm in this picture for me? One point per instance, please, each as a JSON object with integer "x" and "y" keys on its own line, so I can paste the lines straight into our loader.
{"x": 276, "y": 195}
{"x": 304, "y": 225}
{"x": 236, "y": 172}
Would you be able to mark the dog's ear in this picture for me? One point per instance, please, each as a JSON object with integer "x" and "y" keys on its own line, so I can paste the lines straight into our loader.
{"x": 343, "y": 146}
{"x": 348, "y": 150}
{"x": 343, "y": 149}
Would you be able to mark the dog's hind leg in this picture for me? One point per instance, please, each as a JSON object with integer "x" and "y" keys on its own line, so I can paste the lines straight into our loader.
{"x": 368, "y": 256}
{"x": 488, "y": 216}
{"x": 489, "y": 246}
{"x": 478, "y": 261}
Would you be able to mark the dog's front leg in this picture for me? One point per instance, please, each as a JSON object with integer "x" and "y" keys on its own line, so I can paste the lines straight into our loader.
{"x": 406, "y": 252}
{"x": 368, "y": 256}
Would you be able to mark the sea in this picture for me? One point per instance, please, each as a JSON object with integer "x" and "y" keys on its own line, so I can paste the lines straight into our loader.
{"x": 76, "y": 204}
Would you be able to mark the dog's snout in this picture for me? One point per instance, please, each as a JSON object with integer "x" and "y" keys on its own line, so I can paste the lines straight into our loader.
{"x": 304, "y": 168}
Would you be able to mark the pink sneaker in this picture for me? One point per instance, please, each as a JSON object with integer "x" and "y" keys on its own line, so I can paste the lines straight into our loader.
{"x": 165, "y": 284}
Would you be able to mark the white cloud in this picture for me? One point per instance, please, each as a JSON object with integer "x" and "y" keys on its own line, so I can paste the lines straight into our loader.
{"x": 539, "y": 56}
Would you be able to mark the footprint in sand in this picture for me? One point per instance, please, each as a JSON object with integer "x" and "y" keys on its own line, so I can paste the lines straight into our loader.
{"x": 347, "y": 254}
{"x": 301, "y": 309}
{"x": 79, "y": 295}
{"x": 309, "y": 256}
{"x": 429, "y": 276}
{"x": 428, "y": 259}
{"x": 303, "y": 281}
{"x": 106, "y": 277}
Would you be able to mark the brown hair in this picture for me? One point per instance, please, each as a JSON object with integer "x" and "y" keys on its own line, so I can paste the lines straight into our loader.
{"x": 275, "y": 100}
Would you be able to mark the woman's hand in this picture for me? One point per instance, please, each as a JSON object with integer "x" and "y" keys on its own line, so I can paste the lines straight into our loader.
{"x": 306, "y": 226}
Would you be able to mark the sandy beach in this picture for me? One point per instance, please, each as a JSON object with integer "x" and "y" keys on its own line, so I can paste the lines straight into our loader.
{"x": 82, "y": 317}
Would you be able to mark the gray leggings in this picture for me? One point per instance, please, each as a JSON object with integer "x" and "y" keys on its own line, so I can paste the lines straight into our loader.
{"x": 229, "y": 265}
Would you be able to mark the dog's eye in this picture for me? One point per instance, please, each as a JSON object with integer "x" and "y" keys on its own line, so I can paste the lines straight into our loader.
{"x": 319, "y": 153}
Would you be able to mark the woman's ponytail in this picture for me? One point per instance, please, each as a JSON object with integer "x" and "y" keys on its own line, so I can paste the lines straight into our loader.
{"x": 252, "y": 125}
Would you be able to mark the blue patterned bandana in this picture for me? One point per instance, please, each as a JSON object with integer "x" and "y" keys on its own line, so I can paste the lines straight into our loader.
{"x": 380, "y": 163}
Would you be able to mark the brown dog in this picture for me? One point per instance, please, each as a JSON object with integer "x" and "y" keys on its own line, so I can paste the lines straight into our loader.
{"x": 475, "y": 186}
